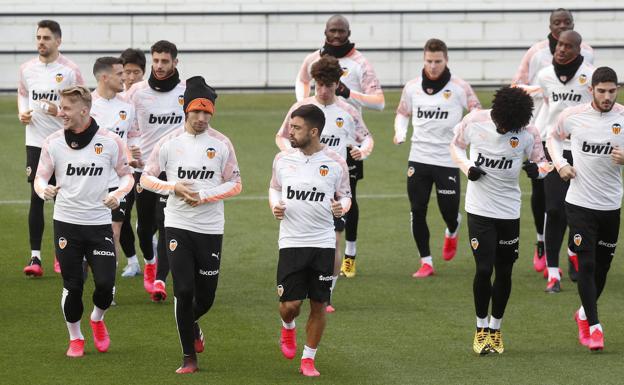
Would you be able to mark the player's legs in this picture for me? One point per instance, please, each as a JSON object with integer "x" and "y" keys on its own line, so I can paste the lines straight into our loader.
{"x": 419, "y": 184}
{"x": 352, "y": 217}
{"x": 146, "y": 204}
{"x": 448, "y": 184}
{"x": 207, "y": 262}
{"x": 338, "y": 263}
{"x": 163, "y": 263}
{"x": 126, "y": 238}
{"x": 609, "y": 227}
{"x": 538, "y": 207}
{"x": 506, "y": 254}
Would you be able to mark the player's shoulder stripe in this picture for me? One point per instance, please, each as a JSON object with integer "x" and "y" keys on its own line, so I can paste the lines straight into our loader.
{"x": 67, "y": 63}
{"x": 417, "y": 81}
{"x": 29, "y": 63}
{"x": 333, "y": 155}
{"x": 285, "y": 153}
{"x": 477, "y": 116}
{"x": 575, "y": 110}
{"x": 218, "y": 136}
{"x": 340, "y": 103}
{"x": 618, "y": 108}
{"x": 312, "y": 57}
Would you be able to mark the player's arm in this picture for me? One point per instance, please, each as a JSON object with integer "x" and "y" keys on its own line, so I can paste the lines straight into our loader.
{"x": 303, "y": 80}
{"x": 275, "y": 193}
{"x": 342, "y": 197}
{"x": 458, "y": 147}
{"x": 23, "y": 110}
{"x": 522, "y": 73}
{"x": 403, "y": 113}
{"x": 230, "y": 175}
{"x": 45, "y": 169}
{"x": 134, "y": 136}
{"x": 536, "y": 165}
{"x": 472, "y": 101}
{"x": 282, "y": 137}
{"x": 554, "y": 144}
{"x": 126, "y": 182}
{"x": 157, "y": 163}
{"x": 371, "y": 96}
{"x": 362, "y": 136}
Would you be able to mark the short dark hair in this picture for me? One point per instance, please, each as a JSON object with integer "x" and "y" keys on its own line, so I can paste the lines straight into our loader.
{"x": 166, "y": 47}
{"x": 326, "y": 70}
{"x": 311, "y": 115}
{"x": 52, "y": 25}
{"x": 512, "y": 109}
{"x": 436, "y": 45}
{"x": 133, "y": 56}
{"x": 604, "y": 75}
{"x": 105, "y": 64}
{"x": 561, "y": 10}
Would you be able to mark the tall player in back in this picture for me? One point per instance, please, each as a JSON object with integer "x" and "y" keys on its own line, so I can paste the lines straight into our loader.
{"x": 435, "y": 101}
{"x": 594, "y": 198}
{"x": 38, "y": 93}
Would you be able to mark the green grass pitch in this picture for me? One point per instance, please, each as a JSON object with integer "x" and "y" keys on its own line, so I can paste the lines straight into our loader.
{"x": 388, "y": 327}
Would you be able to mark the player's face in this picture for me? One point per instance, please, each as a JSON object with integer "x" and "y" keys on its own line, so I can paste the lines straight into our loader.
{"x": 559, "y": 22}
{"x": 163, "y": 64}
{"x": 132, "y": 74}
{"x": 300, "y": 134}
{"x": 337, "y": 32}
{"x": 435, "y": 64}
{"x": 47, "y": 42}
{"x": 198, "y": 121}
{"x": 567, "y": 49}
{"x": 72, "y": 113}
{"x": 604, "y": 95}
{"x": 115, "y": 78}
{"x": 325, "y": 93}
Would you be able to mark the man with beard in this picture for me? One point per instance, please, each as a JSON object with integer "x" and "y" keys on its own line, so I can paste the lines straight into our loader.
{"x": 40, "y": 81}
{"x": 594, "y": 198}
{"x": 540, "y": 56}
{"x": 158, "y": 103}
{"x": 435, "y": 101}
{"x": 359, "y": 87}
{"x": 565, "y": 83}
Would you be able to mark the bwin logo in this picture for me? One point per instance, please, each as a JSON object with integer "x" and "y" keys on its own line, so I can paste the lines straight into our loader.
{"x": 566, "y": 96}
{"x": 597, "y": 148}
{"x": 195, "y": 174}
{"x": 331, "y": 141}
{"x": 165, "y": 119}
{"x": 84, "y": 171}
{"x": 435, "y": 114}
{"x": 50, "y": 96}
{"x": 312, "y": 196}
{"x": 501, "y": 164}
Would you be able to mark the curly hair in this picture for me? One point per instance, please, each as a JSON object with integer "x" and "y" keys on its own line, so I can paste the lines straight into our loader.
{"x": 512, "y": 109}
{"x": 326, "y": 70}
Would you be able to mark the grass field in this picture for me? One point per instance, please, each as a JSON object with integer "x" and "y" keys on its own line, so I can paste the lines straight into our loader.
{"x": 388, "y": 328}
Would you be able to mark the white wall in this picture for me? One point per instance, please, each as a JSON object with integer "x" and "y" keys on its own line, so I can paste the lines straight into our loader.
{"x": 305, "y": 31}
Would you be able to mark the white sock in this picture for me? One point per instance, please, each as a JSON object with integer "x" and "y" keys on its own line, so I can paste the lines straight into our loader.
{"x": 570, "y": 253}
{"x": 553, "y": 272}
{"x": 97, "y": 314}
{"x": 482, "y": 322}
{"x": 155, "y": 244}
{"x": 35, "y": 253}
{"x": 581, "y": 314}
{"x": 454, "y": 234}
{"x": 495, "y": 323}
{"x": 540, "y": 237}
{"x": 350, "y": 248}
{"x": 133, "y": 260}
{"x": 150, "y": 262}
{"x": 74, "y": 330}
{"x": 288, "y": 325}
{"x": 308, "y": 352}
{"x": 595, "y": 327}
{"x": 334, "y": 280}
{"x": 428, "y": 260}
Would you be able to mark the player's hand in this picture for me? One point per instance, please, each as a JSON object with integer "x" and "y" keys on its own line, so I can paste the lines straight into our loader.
{"x": 343, "y": 90}
{"x": 25, "y": 117}
{"x": 135, "y": 151}
{"x": 182, "y": 189}
{"x": 531, "y": 169}
{"x": 397, "y": 141}
{"x": 111, "y": 202}
{"x": 50, "y": 192}
{"x": 474, "y": 173}
{"x": 567, "y": 172}
{"x": 355, "y": 152}
{"x": 336, "y": 208}
{"x": 617, "y": 155}
{"x": 278, "y": 210}
{"x": 136, "y": 163}
{"x": 49, "y": 107}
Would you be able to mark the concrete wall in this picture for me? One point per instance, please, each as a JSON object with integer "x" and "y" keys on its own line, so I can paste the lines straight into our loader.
{"x": 459, "y": 30}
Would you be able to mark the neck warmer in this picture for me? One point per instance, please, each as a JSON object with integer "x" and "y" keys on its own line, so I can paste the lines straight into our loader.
{"x": 337, "y": 51}
{"x": 565, "y": 72}
{"x": 552, "y": 43}
{"x": 432, "y": 87}
{"x": 166, "y": 84}
{"x": 78, "y": 141}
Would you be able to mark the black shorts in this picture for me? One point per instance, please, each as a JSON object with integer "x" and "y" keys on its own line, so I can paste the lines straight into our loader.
{"x": 119, "y": 214}
{"x": 593, "y": 231}
{"x": 492, "y": 238}
{"x": 339, "y": 224}
{"x": 356, "y": 167}
{"x": 32, "y": 161}
{"x": 420, "y": 180}
{"x": 305, "y": 272}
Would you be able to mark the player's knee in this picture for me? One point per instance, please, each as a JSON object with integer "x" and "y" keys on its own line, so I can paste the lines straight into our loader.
{"x": 419, "y": 212}
{"x": 204, "y": 303}
{"x": 484, "y": 270}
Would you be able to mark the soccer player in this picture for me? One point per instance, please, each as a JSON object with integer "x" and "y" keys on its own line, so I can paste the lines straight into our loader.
{"x": 344, "y": 132}
{"x": 158, "y": 103}
{"x": 594, "y": 198}
{"x": 359, "y": 87}
{"x": 435, "y": 101}
{"x": 40, "y": 81}
{"x": 83, "y": 156}
{"x": 116, "y": 115}
{"x": 202, "y": 171}
{"x": 540, "y": 56}
{"x": 310, "y": 183}
{"x": 499, "y": 140}
{"x": 564, "y": 84}
{"x": 133, "y": 66}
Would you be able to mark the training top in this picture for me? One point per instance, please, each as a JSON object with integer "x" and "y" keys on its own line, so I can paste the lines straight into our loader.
{"x": 83, "y": 176}
{"x": 497, "y": 194}
{"x": 357, "y": 74}
{"x": 344, "y": 127}
{"x": 558, "y": 96}
{"x": 115, "y": 115}
{"x": 306, "y": 185}
{"x": 208, "y": 161}
{"x": 157, "y": 113}
{"x": 593, "y": 135}
{"x": 39, "y": 81}
{"x": 433, "y": 119}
